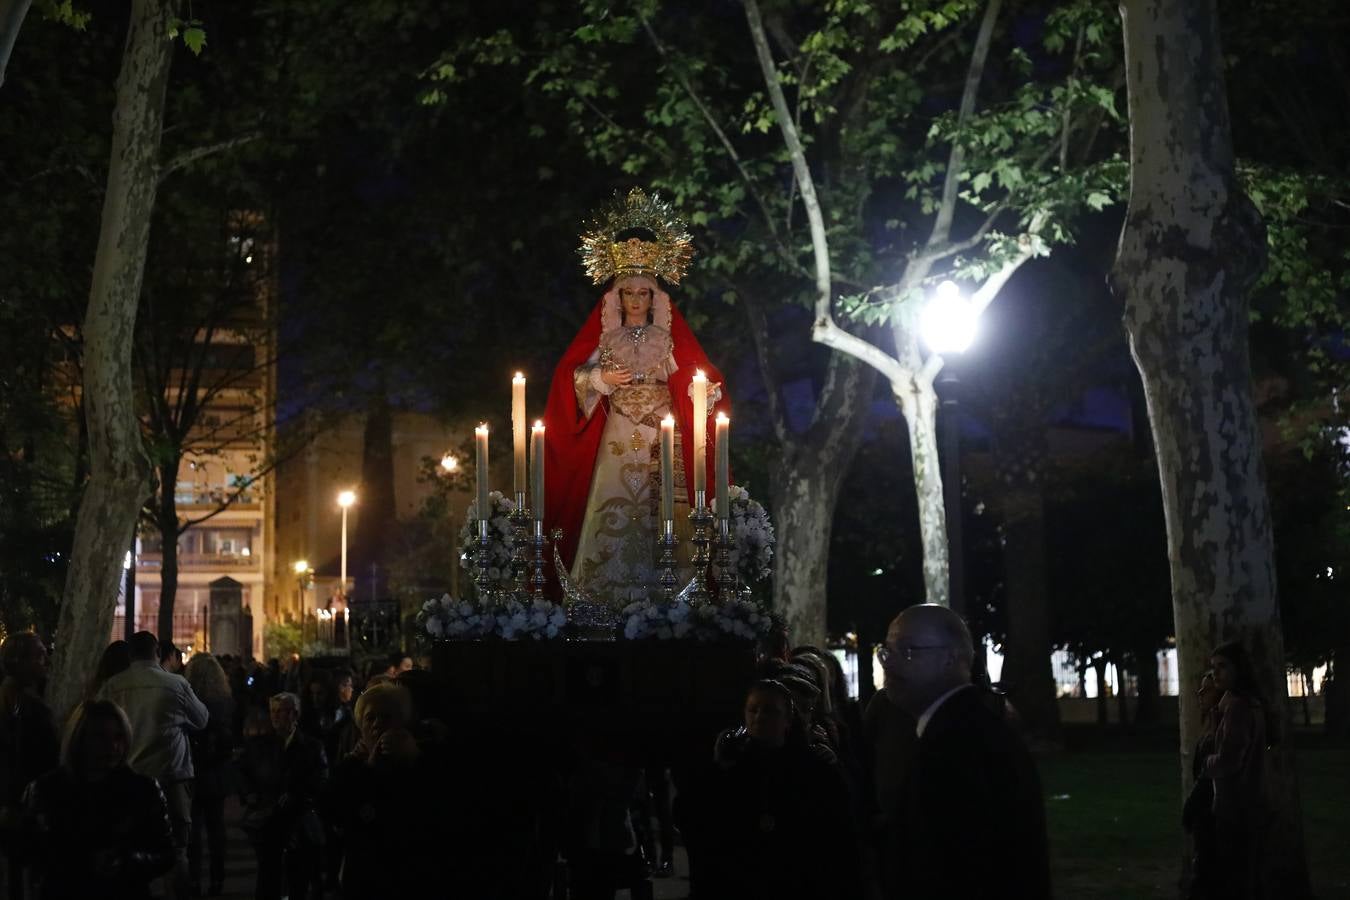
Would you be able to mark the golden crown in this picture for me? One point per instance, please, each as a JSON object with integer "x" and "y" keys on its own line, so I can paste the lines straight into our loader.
{"x": 667, "y": 256}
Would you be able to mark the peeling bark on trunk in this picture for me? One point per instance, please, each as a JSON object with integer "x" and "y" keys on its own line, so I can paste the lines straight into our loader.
{"x": 1192, "y": 246}
{"x": 119, "y": 472}
{"x": 166, "y": 519}
{"x": 806, "y": 491}
{"x": 918, "y": 405}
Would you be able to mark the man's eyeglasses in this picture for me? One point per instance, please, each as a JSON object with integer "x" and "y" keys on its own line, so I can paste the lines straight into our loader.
{"x": 886, "y": 654}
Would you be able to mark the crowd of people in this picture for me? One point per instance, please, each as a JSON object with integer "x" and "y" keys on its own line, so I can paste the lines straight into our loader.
{"x": 364, "y": 787}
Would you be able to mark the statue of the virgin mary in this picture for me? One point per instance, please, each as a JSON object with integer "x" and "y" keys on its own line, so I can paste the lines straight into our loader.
{"x": 632, "y": 363}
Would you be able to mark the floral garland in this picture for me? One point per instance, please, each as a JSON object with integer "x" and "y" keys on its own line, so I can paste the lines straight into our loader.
{"x": 752, "y": 535}
{"x": 500, "y": 535}
{"x": 735, "y": 620}
{"x": 446, "y": 617}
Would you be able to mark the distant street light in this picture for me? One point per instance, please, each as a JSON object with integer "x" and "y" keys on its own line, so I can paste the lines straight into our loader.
{"x": 304, "y": 575}
{"x": 345, "y": 500}
{"x": 450, "y": 463}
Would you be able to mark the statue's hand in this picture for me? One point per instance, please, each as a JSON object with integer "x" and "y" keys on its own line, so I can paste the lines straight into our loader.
{"x": 714, "y": 394}
{"x": 617, "y": 377}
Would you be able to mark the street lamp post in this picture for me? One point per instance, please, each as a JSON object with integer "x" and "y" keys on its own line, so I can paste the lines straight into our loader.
{"x": 949, "y": 326}
{"x": 345, "y": 500}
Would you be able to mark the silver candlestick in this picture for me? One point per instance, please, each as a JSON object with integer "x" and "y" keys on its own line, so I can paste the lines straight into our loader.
{"x": 520, "y": 518}
{"x": 701, "y": 517}
{"x": 667, "y": 566}
{"x": 538, "y": 580}
{"x": 481, "y": 559}
{"x": 726, "y": 579}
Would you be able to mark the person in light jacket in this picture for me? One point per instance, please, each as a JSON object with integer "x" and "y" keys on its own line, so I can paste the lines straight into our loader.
{"x": 162, "y": 709}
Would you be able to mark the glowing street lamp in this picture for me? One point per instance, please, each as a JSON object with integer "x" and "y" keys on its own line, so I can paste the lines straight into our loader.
{"x": 949, "y": 320}
{"x": 345, "y": 500}
{"x": 303, "y": 575}
{"x": 450, "y": 463}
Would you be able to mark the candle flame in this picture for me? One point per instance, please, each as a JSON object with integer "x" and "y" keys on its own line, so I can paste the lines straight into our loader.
{"x": 539, "y": 423}
{"x": 520, "y": 376}
{"x": 668, "y": 420}
{"x": 482, "y": 428}
{"x": 698, "y": 373}
{"x": 722, "y": 417}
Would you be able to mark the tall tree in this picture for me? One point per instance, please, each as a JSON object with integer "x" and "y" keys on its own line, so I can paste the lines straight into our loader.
{"x": 119, "y": 472}
{"x": 1192, "y": 246}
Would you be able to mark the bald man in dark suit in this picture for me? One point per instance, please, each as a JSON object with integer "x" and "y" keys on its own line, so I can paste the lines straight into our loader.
{"x": 971, "y": 816}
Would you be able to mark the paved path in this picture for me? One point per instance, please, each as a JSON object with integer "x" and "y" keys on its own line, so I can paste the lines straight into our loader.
{"x": 241, "y": 866}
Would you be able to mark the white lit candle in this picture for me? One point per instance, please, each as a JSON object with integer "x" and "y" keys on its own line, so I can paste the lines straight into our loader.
{"x": 537, "y": 470}
{"x": 667, "y": 468}
{"x": 481, "y": 439}
{"x": 722, "y": 501}
{"x": 700, "y": 442}
{"x": 518, "y": 430}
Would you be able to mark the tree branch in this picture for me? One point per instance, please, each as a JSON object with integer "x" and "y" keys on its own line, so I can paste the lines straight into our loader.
{"x": 986, "y": 292}
{"x": 188, "y": 157}
{"x": 759, "y": 334}
{"x": 1067, "y": 116}
{"x": 721, "y": 136}
{"x": 802, "y": 172}
{"x": 956, "y": 159}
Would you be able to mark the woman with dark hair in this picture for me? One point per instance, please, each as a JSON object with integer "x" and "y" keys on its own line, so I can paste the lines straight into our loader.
{"x": 772, "y": 819}
{"x": 116, "y": 658}
{"x": 212, "y": 749}
{"x": 93, "y": 827}
{"x": 1236, "y": 767}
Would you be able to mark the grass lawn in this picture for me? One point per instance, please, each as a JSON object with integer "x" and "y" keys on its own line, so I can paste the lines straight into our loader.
{"x": 1115, "y": 828}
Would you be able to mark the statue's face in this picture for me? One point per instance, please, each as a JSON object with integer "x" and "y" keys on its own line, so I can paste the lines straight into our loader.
{"x": 635, "y": 296}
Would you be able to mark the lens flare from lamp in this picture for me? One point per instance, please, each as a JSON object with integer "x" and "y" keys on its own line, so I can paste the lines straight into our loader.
{"x": 949, "y": 320}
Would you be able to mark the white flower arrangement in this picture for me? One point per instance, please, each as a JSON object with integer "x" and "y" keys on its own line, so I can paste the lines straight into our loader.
{"x": 500, "y": 535}
{"x": 678, "y": 620}
{"x": 448, "y": 618}
{"x": 538, "y": 619}
{"x": 752, "y": 535}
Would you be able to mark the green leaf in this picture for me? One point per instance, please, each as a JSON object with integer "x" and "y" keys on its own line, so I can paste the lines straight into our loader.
{"x": 195, "y": 39}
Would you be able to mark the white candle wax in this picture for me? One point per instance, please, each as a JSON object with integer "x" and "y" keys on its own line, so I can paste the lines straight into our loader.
{"x": 667, "y": 468}
{"x": 518, "y": 431}
{"x": 700, "y": 442}
{"x": 537, "y": 470}
{"x": 722, "y": 500}
{"x": 480, "y": 435}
